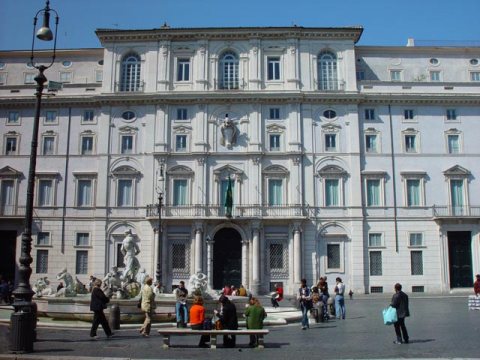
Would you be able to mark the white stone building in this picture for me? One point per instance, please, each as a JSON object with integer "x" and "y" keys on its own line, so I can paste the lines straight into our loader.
{"x": 351, "y": 161}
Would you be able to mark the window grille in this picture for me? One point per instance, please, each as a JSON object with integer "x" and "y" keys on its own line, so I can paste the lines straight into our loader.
{"x": 81, "y": 265}
{"x": 42, "y": 262}
{"x": 229, "y": 71}
{"x": 416, "y": 258}
{"x": 333, "y": 256}
{"x": 327, "y": 70}
{"x": 130, "y": 80}
{"x": 375, "y": 263}
{"x": 376, "y": 289}
{"x": 418, "y": 289}
{"x": 278, "y": 260}
{"x": 180, "y": 260}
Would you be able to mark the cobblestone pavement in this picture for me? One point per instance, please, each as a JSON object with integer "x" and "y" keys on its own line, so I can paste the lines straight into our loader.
{"x": 440, "y": 327}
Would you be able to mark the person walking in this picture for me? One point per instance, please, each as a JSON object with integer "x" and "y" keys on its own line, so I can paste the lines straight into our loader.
{"x": 99, "y": 302}
{"x": 400, "y": 302}
{"x": 228, "y": 318}
{"x": 277, "y": 295}
{"x": 148, "y": 306}
{"x": 197, "y": 318}
{"x": 255, "y": 315}
{"x": 340, "y": 299}
{"x": 181, "y": 310}
{"x": 305, "y": 302}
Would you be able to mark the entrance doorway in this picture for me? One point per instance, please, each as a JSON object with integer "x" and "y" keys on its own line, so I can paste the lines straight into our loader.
{"x": 460, "y": 256}
{"x": 8, "y": 242}
{"x": 227, "y": 258}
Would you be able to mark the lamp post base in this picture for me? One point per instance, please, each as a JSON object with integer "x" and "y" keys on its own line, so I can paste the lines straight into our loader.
{"x": 22, "y": 330}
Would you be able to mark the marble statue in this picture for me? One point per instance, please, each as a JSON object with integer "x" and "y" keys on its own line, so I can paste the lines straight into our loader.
{"x": 229, "y": 132}
{"x": 197, "y": 283}
{"x": 69, "y": 289}
{"x": 141, "y": 276}
{"x": 111, "y": 282}
{"x": 41, "y": 287}
{"x": 130, "y": 250}
{"x": 80, "y": 287}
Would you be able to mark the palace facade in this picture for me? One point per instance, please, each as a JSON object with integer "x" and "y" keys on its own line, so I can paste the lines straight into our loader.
{"x": 353, "y": 161}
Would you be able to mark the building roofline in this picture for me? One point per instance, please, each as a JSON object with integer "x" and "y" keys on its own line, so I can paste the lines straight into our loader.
{"x": 48, "y": 52}
{"x": 417, "y": 49}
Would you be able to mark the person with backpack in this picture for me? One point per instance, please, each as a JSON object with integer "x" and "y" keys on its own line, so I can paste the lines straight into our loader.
{"x": 304, "y": 297}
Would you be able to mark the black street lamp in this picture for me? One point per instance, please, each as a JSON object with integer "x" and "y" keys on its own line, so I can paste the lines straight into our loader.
{"x": 23, "y": 320}
{"x": 158, "y": 274}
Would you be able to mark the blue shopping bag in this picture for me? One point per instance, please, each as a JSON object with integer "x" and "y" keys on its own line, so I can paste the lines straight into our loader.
{"x": 389, "y": 315}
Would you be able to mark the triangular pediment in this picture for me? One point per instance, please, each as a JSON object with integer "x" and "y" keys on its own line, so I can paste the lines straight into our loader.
{"x": 332, "y": 170}
{"x": 456, "y": 170}
{"x": 275, "y": 169}
{"x": 228, "y": 169}
{"x": 8, "y": 171}
{"x": 180, "y": 170}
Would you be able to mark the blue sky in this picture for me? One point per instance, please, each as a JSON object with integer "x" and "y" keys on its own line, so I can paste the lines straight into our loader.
{"x": 385, "y": 22}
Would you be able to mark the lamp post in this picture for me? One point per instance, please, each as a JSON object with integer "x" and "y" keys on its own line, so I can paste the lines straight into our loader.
{"x": 158, "y": 274}
{"x": 23, "y": 320}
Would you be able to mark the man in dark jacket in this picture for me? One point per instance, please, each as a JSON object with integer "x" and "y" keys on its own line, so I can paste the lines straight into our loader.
{"x": 97, "y": 304}
{"x": 228, "y": 318}
{"x": 400, "y": 302}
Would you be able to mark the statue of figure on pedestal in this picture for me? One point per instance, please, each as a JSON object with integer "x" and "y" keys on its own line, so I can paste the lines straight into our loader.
{"x": 111, "y": 282}
{"x": 197, "y": 282}
{"x": 130, "y": 250}
{"x": 69, "y": 289}
{"x": 229, "y": 132}
{"x": 41, "y": 287}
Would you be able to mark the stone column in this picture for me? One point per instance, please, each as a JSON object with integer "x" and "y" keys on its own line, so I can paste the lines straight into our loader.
{"x": 255, "y": 286}
{"x": 198, "y": 247}
{"x": 297, "y": 253}
{"x": 245, "y": 281}
{"x": 210, "y": 243}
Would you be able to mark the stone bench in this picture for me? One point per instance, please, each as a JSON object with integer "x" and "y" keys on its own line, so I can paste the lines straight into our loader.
{"x": 167, "y": 333}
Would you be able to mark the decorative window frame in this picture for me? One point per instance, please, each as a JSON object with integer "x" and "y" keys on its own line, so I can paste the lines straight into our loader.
{"x": 11, "y": 134}
{"x": 18, "y": 122}
{"x": 333, "y": 172}
{"x": 275, "y": 172}
{"x": 182, "y": 130}
{"x": 128, "y": 87}
{"x": 222, "y": 174}
{"x": 87, "y": 133}
{"x": 54, "y": 177}
{"x": 49, "y": 134}
{"x": 411, "y": 132}
{"x": 220, "y": 73}
{"x": 373, "y": 132}
{"x": 276, "y": 129}
{"x": 458, "y": 172}
{"x": 269, "y": 56}
{"x": 374, "y": 175}
{"x": 334, "y": 240}
{"x": 457, "y": 132}
{"x": 414, "y": 175}
{"x": 331, "y": 129}
{"x": 180, "y": 173}
{"x": 335, "y": 57}
{"x": 382, "y": 240}
{"x": 127, "y": 131}
{"x": 8, "y": 173}
{"x": 86, "y": 176}
{"x": 89, "y": 122}
{"x": 126, "y": 173}
{"x": 180, "y": 239}
{"x": 277, "y": 273}
{"x": 183, "y": 55}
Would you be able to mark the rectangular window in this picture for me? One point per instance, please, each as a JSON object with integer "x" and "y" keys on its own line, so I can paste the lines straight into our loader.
{"x": 408, "y": 114}
{"x": 127, "y": 144}
{"x": 29, "y": 78}
{"x": 13, "y": 117}
{"x": 42, "y": 262}
{"x": 333, "y": 256}
{"x": 65, "y": 77}
{"x": 88, "y": 116}
{"x": 182, "y": 114}
{"x": 375, "y": 263}
{"x": 48, "y": 145}
{"x": 415, "y": 239}
{"x": 43, "y": 238}
{"x": 81, "y": 263}
{"x": 457, "y": 196}
{"x": 84, "y": 195}
{"x": 274, "y": 113}
{"x": 413, "y": 192}
{"x": 223, "y": 191}
{"x": 332, "y": 192}
{"x": 179, "y": 260}
{"x": 98, "y": 75}
{"x": 360, "y": 75}
{"x": 87, "y": 145}
{"x": 371, "y": 143}
{"x": 475, "y": 76}
{"x": 45, "y": 193}
{"x": 274, "y": 142}
{"x": 3, "y": 78}
{"x": 416, "y": 261}
{"x": 7, "y": 197}
{"x": 50, "y": 117}
{"x": 181, "y": 143}
{"x": 276, "y": 256}
{"x": 369, "y": 114}
{"x": 453, "y": 144}
{"x": 183, "y": 70}
{"x": 273, "y": 68}
{"x": 451, "y": 114}
{"x": 375, "y": 240}
{"x": 373, "y": 192}
{"x": 11, "y": 146}
{"x": 330, "y": 142}
{"x": 180, "y": 192}
{"x": 125, "y": 192}
{"x": 275, "y": 192}
{"x": 410, "y": 144}
{"x": 83, "y": 239}
{"x": 395, "y": 75}
{"x": 435, "y": 76}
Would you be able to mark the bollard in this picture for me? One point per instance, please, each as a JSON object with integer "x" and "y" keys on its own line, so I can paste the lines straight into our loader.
{"x": 114, "y": 317}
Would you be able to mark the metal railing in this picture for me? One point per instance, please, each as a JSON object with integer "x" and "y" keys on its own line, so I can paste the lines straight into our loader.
{"x": 456, "y": 211}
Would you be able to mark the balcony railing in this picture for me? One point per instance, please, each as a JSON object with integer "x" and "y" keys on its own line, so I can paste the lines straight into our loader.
{"x": 456, "y": 211}
{"x": 12, "y": 211}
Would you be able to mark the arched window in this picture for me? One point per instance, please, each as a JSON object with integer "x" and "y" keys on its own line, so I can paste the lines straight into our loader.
{"x": 229, "y": 71}
{"x": 130, "y": 73}
{"x": 327, "y": 71}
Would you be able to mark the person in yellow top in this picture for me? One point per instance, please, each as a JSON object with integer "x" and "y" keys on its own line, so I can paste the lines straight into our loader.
{"x": 242, "y": 291}
{"x": 197, "y": 318}
{"x": 148, "y": 306}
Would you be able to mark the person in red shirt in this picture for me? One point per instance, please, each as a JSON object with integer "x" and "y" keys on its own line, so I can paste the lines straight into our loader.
{"x": 197, "y": 318}
{"x": 227, "y": 290}
{"x": 277, "y": 295}
{"x": 476, "y": 285}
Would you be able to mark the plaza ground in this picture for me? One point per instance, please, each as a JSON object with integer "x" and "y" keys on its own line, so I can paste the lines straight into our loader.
{"x": 440, "y": 327}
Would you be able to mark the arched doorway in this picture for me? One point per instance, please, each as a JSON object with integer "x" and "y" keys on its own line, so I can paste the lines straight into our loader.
{"x": 227, "y": 258}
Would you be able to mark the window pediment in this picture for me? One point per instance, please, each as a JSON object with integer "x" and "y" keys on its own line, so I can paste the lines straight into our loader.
{"x": 457, "y": 170}
{"x": 125, "y": 171}
{"x": 128, "y": 129}
{"x": 10, "y": 172}
{"x": 51, "y": 175}
{"x": 331, "y": 128}
{"x": 180, "y": 171}
{"x": 275, "y": 170}
{"x": 275, "y": 128}
{"x": 413, "y": 174}
{"x": 182, "y": 129}
{"x": 374, "y": 174}
{"x": 332, "y": 170}
{"x": 410, "y": 131}
{"x": 453, "y": 131}
{"x": 371, "y": 131}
